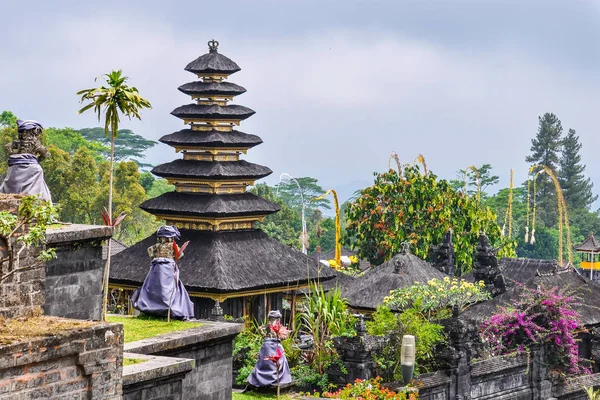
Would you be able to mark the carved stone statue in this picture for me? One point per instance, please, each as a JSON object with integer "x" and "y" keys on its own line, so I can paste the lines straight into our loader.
{"x": 162, "y": 290}
{"x": 25, "y": 175}
{"x": 442, "y": 256}
{"x": 486, "y": 267}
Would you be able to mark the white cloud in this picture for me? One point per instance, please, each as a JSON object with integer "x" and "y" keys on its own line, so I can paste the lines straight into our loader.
{"x": 331, "y": 104}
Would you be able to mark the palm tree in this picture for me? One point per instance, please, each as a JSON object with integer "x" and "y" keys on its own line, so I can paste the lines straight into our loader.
{"x": 111, "y": 100}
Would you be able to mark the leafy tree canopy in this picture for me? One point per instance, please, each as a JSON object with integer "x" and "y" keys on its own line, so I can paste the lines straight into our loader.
{"x": 130, "y": 145}
{"x": 467, "y": 179}
{"x": 309, "y": 188}
{"x": 8, "y": 119}
{"x": 70, "y": 140}
{"x": 418, "y": 209}
{"x": 577, "y": 189}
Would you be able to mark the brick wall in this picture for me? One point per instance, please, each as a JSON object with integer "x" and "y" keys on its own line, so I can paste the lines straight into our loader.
{"x": 82, "y": 364}
{"x": 22, "y": 292}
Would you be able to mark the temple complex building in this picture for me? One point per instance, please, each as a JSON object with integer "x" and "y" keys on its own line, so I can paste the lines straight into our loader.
{"x": 230, "y": 266}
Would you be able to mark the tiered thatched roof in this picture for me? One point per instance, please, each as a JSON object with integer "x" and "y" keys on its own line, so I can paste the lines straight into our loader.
{"x": 241, "y": 169}
{"x": 211, "y": 88}
{"x": 212, "y": 111}
{"x": 222, "y": 262}
{"x": 209, "y": 206}
{"x": 226, "y": 256}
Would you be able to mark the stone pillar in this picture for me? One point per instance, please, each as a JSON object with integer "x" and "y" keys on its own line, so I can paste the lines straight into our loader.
{"x": 541, "y": 387}
{"x": 461, "y": 354}
{"x": 356, "y": 354}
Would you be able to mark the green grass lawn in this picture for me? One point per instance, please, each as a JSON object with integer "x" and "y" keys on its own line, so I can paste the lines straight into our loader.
{"x": 144, "y": 326}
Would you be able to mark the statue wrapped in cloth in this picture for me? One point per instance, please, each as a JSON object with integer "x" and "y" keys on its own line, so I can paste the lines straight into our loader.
{"x": 162, "y": 290}
{"x": 272, "y": 367}
{"x": 25, "y": 175}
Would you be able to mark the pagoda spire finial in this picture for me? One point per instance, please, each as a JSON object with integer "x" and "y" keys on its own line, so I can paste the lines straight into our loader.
{"x": 212, "y": 46}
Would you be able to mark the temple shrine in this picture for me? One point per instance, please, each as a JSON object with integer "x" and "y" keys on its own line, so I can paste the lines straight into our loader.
{"x": 230, "y": 266}
{"x": 590, "y": 256}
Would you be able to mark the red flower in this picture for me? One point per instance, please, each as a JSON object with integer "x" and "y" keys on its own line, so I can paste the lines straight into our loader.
{"x": 275, "y": 358}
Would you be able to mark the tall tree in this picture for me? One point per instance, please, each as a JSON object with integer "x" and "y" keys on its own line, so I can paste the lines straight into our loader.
{"x": 545, "y": 150}
{"x": 468, "y": 179}
{"x": 130, "y": 146}
{"x": 70, "y": 140}
{"x": 8, "y": 119}
{"x": 285, "y": 225}
{"x": 576, "y": 187}
{"x": 114, "y": 99}
{"x": 309, "y": 188}
{"x": 418, "y": 209}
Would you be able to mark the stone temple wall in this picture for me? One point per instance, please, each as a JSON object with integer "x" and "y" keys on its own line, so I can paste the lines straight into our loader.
{"x": 73, "y": 280}
{"x": 208, "y": 346}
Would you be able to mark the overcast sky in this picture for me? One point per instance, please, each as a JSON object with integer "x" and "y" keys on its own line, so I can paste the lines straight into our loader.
{"x": 336, "y": 86}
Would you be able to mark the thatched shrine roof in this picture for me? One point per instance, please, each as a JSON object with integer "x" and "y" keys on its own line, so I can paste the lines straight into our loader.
{"x": 209, "y": 205}
{"x": 212, "y": 111}
{"x": 212, "y": 62}
{"x": 590, "y": 244}
{"x": 225, "y": 262}
{"x": 587, "y": 295}
{"x": 211, "y": 88}
{"x": 521, "y": 270}
{"x": 212, "y": 138}
{"x": 240, "y": 169}
{"x": 403, "y": 270}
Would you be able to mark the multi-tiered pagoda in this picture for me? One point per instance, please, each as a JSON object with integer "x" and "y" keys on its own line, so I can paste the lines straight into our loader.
{"x": 228, "y": 259}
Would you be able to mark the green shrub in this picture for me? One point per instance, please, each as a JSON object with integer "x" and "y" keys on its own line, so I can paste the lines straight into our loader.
{"x": 428, "y": 337}
{"x": 246, "y": 347}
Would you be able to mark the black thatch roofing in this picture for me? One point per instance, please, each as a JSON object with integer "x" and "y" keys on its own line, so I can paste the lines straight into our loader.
{"x": 212, "y": 138}
{"x": 590, "y": 244}
{"x": 211, "y": 169}
{"x": 221, "y": 262}
{"x": 588, "y": 306}
{"x": 212, "y": 62}
{"x": 368, "y": 291}
{"x": 212, "y": 111}
{"x": 115, "y": 247}
{"x": 521, "y": 270}
{"x": 209, "y": 205}
{"x": 211, "y": 88}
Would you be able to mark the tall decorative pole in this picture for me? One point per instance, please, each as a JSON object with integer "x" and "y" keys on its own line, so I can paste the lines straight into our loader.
{"x": 304, "y": 231}
{"x": 338, "y": 229}
{"x": 421, "y": 159}
{"x": 563, "y": 217}
{"x": 509, "y": 208}
{"x": 394, "y": 155}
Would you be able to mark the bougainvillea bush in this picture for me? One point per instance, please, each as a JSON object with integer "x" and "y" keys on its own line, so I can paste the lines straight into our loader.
{"x": 540, "y": 316}
{"x": 436, "y": 298}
